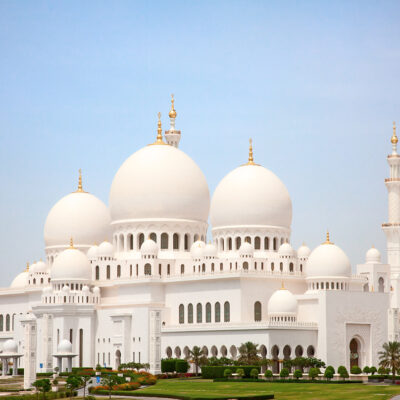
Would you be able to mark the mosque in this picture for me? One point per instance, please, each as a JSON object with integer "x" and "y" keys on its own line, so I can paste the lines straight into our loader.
{"x": 137, "y": 281}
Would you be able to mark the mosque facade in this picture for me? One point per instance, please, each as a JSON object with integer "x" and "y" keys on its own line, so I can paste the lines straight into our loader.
{"x": 137, "y": 280}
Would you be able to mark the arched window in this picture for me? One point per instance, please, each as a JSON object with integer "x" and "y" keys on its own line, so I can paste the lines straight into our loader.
{"x": 381, "y": 284}
{"x": 221, "y": 244}
{"x": 7, "y": 322}
{"x": 266, "y": 243}
{"x": 175, "y": 240}
{"x": 366, "y": 288}
{"x": 130, "y": 270}
{"x": 199, "y": 318}
{"x": 212, "y": 267}
{"x": 147, "y": 269}
{"x": 130, "y": 241}
{"x": 108, "y": 272}
{"x": 247, "y": 239}
{"x": 118, "y": 271}
{"x": 310, "y": 351}
{"x": 230, "y": 243}
{"x": 1, "y": 323}
{"x": 217, "y": 312}
{"x": 281, "y": 266}
{"x": 257, "y": 243}
{"x": 140, "y": 240}
{"x": 272, "y": 266}
{"x": 186, "y": 241}
{"x": 238, "y": 242}
{"x": 196, "y": 237}
{"x": 221, "y": 266}
{"x": 301, "y": 267}
{"x": 190, "y": 313}
{"x": 291, "y": 267}
{"x": 168, "y": 269}
{"x": 246, "y": 265}
{"x": 182, "y": 268}
{"x": 181, "y": 314}
{"x": 257, "y": 311}
{"x": 208, "y": 312}
{"x": 153, "y": 237}
{"x": 227, "y": 312}
{"x": 275, "y": 243}
{"x": 203, "y": 267}
{"x": 97, "y": 272}
{"x": 164, "y": 241}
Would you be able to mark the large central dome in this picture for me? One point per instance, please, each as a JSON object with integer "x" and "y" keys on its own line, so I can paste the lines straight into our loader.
{"x": 159, "y": 182}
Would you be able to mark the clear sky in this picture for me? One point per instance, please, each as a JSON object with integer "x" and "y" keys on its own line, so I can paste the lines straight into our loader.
{"x": 316, "y": 84}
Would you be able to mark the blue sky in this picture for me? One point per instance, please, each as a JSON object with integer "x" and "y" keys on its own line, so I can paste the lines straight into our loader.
{"x": 316, "y": 84}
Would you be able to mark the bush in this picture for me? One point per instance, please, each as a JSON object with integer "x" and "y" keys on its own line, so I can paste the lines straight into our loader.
{"x": 313, "y": 373}
{"x": 356, "y": 370}
{"x": 268, "y": 373}
{"x": 181, "y": 366}
{"x": 227, "y": 373}
{"x": 373, "y": 370}
{"x": 212, "y": 372}
{"x": 168, "y": 365}
{"x": 240, "y": 372}
{"x": 342, "y": 371}
{"x": 383, "y": 371}
{"x": 330, "y": 368}
{"x": 297, "y": 374}
{"x": 328, "y": 374}
{"x": 284, "y": 373}
{"x": 366, "y": 370}
{"x": 254, "y": 373}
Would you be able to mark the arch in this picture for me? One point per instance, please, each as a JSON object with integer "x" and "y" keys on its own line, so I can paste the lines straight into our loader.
{"x": 140, "y": 240}
{"x": 298, "y": 351}
{"x": 246, "y": 265}
{"x": 301, "y": 267}
{"x": 117, "y": 359}
{"x": 175, "y": 241}
{"x": 121, "y": 242}
{"x": 130, "y": 241}
{"x": 208, "y": 312}
{"x": 227, "y": 312}
{"x": 196, "y": 237}
{"x": 263, "y": 352}
{"x": 257, "y": 243}
{"x": 203, "y": 267}
{"x": 214, "y": 351}
{"x": 272, "y": 266}
{"x": 221, "y": 244}
{"x": 181, "y": 314}
{"x": 204, "y": 350}
{"x": 366, "y": 287}
{"x": 238, "y": 242}
{"x": 275, "y": 359}
{"x": 257, "y": 311}
{"x": 286, "y": 352}
{"x": 247, "y": 239}
{"x": 190, "y": 313}
{"x": 147, "y": 269}
{"x": 80, "y": 347}
{"x": 118, "y": 271}
{"x": 108, "y": 272}
{"x": 168, "y": 352}
{"x": 97, "y": 272}
{"x": 186, "y": 352}
{"x": 224, "y": 351}
{"x": 266, "y": 243}
{"x": 186, "y": 239}
{"x": 230, "y": 243}
{"x": 199, "y": 313}
{"x": 164, "y": 241}
{"x": 153, "y": 236}
{"x": 282, "y": 241}
{"x": 233, "y": 351}
{"x": 177, "y": 352}
{"x": 355, "y": 349}
{"x": 217, "y": 311}
{"x": 381, "y": 285}
{"x": 310, "y": 351}
{"x": 291, "y": 268}
{"x": 1, "y": 323}
{"x": 281, "y": 266}
{"x": 275, "y": 244}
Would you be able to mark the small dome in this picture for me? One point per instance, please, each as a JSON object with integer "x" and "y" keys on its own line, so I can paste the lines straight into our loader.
{"x": 106, "y": 249}
{"x": 39, "y": 267}
{"x": 149, "y": 248}
{"x": 47, "y": 290}
{"x": 210, "y": 250}
{"x": 246, "y": 249}
{"x": 64, "y": 346}
{"x": 32, "y": 267}
{"x": 71, "y": 264}
{"x": 20, "y": 281}
{"x": 286, "y": 250}
{"x": 93, "y": 252}
{"x": 85, "y": 289}
{"x": 96, "y": 290}
{"x": 282, "y": 303}
{"x": 373, "y": 256}
{"x": 66, "y": 289}
{"x": 197, "y": 249}
{"x": 328, "y": 260}
{"x": 303, "y": 251}
{"x": 10, "y": 346}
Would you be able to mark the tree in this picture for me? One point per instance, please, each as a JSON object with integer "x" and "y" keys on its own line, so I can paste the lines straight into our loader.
{"x": 390, "y": 357}
{"x": 42, "y": 385}
{"x": 85, "y": 379}
{"x": 366, "y": 370}
{"x": 313, "y": 373}
{"x": 268, "y": 374}
{"x": 254, "y": 373}
{"x": 73, "y": 382}
{"x": 197, "y": 355}
{"x": 355, "y": 369}
{"x": 284, "y": 373}
{"x": 227, "y": 373}
{"x": 240, "y": 372}
{"x": 109, "y": 381}
{"x": 372, "y": 370}
{"x": 342, "y": 371}
{"x": 299, "y": 363}
{"x": 298, "y": 374}
{"x": 249, "y": 353}
{"x": 328, "y": 374}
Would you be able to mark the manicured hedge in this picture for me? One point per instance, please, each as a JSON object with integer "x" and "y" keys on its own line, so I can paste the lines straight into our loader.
{"x": 255, "y": 397}
{"x": 174, "y": 365}
{"x": 382, "y": 377}
{"x": 211, "y": 372}
{"x": 45, "y": 374}
{"x": 279, "y": 380}
{"x": 49, "y": 396}
{"x": 181, "y": 366}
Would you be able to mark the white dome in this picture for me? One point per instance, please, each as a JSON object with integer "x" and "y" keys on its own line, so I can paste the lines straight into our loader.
{"x": 93, "y": 252}
{"x": 373, "y": 256}
{"x": 20, "y": 281}
{"x": 328, "y": 260}
{"x": 246, "y": 249}
{"x": 162, "y": 182}
{"x": 197, "y": 249}
{"x": 10, "y": 346}
{"x": 210, "y": 250}
{"x": 106, "y": 249}
{"x": 251, "y": 195}
{"x": 79, "y": 215}
{"x": 85, "y": 289}
{"x": 303, "y": 251}
{"x": 282, "y": 302}
{"x": 65, "y": 289}
{"x": 40, "y": 267}
{"x": 96, "y": 290}
{"x": 47, "y": 290}
{"x": 71, "y": 264}
{"x": 286, "y": 249}
{"x": 149, "y": 247}
{"x": 64, "y": 346}
{"x": 32, "y": 267}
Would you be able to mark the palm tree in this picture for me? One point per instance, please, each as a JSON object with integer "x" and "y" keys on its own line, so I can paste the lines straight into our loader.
{"x": 249, "y": 353}
{"x": 196, "y": 354}
{"x": 390, "y": 356}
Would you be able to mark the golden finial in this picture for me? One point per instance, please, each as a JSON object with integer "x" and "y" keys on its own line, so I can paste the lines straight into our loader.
{"x": 282, "y": 286}
{"x": 327, "y": 241}
{"x": 27, "y": 266}
{"x": 159, "y": 139}
{"x": 80, "y": 188}
{"x": 172, "y": 113}
{"x": 251, "y": 159}
{"x": 71, "y": 243}
{"x": 394, "y": 139}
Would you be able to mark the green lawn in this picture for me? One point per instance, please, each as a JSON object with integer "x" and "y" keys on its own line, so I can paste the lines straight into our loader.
{"x": 282, "y": 391}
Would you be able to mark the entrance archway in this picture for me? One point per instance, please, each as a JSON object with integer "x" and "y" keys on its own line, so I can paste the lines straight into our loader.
{"x": 354, "y": 352}
{"x": 117, "y": 359}
{"x": 275, "y": 359}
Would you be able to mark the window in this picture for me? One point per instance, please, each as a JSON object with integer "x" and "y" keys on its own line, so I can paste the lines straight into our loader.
{"x": 147, "y": 269}
{"x": 381, "y": 285}
{"x": 217, "y": 312}
{"x": 182, "y": 268}
{"x": 118, "y": 271}
{"x": 229, "y": 243}
{"x": 97, "y": 273}
{"x": 140, "y": 240}
{"x": 164, "y": 241}
{"x": 246, "y": 265}
{"x": 130, "y": 241}
{"x": 247, "y": 239}
{"x": 153, "y": 237}
{"x": 272, "y": 266}
{"x": 275, "y": 244}
{"x": 238, "y": 242}
{"x": 208, "y": 312}
{"x": 199, "y": 318}
{"x": 257, "y": 243}
{"x": 257, "y": 311}
{"x": 168, "y": 269}
{"x": 221, "y": 266}
{"x": 1, "y": 323}
{"x": 186, "y": 241}
{"x": 281, "y": 266}
{"x": 175, "y": 240}
{"x": 190, "y": 313}
{"x": 227, "y": 312}
{"x": 291, "y": 267}
{"x": 108, "y": 272}
{"x": 181, "y": 314}
{"x": 266, "y": 243}
{"x": 130, "y": 270}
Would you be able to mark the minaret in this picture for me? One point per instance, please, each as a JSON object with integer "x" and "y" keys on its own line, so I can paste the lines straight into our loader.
{"x": 172, "y": 136}
{"x": 392, "y": 227}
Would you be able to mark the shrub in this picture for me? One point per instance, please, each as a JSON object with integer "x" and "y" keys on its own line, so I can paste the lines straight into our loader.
{"x": 366, "y": 370}
{"x": 297, "y": 374}
{"x": 254, "y": 373}
{"x": 372, "y": 370}
{"x": 330, "y": 368}
{"x": 313, "y": 373}
{"x": 383, "y": 371}
{"x": 240, "y": 372}
{"x": 168, "y": 365}
{"x": 181, "y": 366}
{"x": 328, "y": 374}
{"x": 227, "y": 373}
{"x": 212, "y": 372}
{"x": 356, "y": 370}
{"x": 342, "y": 371}
{"x": 268, "y": 373}
{"x": 284, "y": 373}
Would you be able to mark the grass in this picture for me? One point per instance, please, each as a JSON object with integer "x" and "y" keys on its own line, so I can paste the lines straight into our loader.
{"x": 283, "y": 391}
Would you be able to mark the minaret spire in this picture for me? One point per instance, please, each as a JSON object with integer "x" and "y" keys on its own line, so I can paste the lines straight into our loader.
{"x": 159, "y": 139}
{"x": 172, "y": 136}
{"x": 394, "y": 139}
